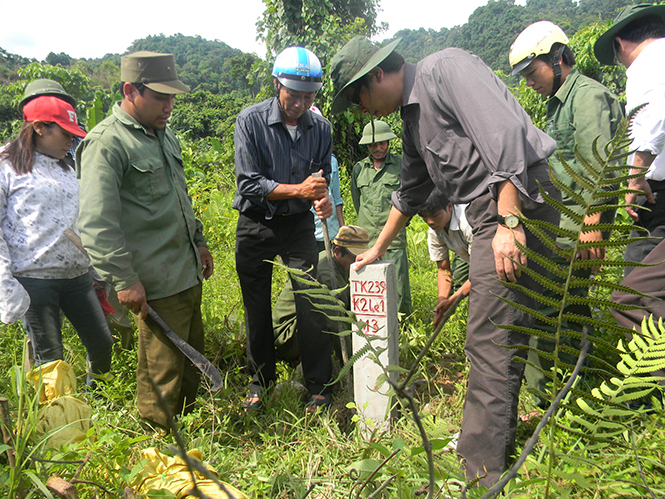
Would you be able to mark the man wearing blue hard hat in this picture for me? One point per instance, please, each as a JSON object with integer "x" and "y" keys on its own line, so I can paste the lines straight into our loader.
{"x": 279, "y": 145}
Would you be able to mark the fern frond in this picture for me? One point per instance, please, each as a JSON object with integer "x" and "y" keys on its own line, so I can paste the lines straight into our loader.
{"x": 582, "y": 264}
{"x": 536, "y": 275}
{"x": 364, "y": 350}
{"x": 550, "y": 228}
{"x": 544, "y": 237}
{"x": 592, "y": 438}
{"x": 607, "y": 195}
{"x": 580, "y": 180}
{"x": 595, "y": 173}
{"x": 607, "y": 228}
{"x": 527, "y": 330}
{"x": 539, "y": 316}
{"x": 539, "y": 297}
{"x": 600, "y": 208}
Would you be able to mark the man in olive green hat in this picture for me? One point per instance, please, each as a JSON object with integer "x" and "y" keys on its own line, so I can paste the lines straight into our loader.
{"x": 636, "y": 39}
{"x": 373, "y": 182}
{"x": 138, "y": 226}
{"x": 464, "y": 132}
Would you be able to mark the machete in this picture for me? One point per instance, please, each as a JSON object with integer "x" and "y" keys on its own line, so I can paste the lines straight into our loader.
{"x": 197, "y": 358}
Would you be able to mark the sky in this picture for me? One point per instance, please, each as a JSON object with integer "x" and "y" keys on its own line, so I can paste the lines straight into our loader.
{"x": 92, "y": 28}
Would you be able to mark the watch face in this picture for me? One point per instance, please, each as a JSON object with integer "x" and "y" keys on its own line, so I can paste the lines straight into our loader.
{"x": 512, "y": 221}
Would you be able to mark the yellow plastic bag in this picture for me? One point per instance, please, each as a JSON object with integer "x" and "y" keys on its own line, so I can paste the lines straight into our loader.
{"x": 171, "y": 473}
{"x": 57, "y": 380}
{"x": 65, "y": 418}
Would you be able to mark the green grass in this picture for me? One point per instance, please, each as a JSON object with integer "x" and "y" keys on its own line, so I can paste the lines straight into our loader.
{"x": 282, "y": 452}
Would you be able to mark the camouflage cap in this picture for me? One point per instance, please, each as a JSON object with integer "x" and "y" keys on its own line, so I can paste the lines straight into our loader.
{"x": 604, "y": 46}
{"x": 352, "y": 62}
{"x": 37, "y": 88}
{"x": 155, "y": 70}
{"x": 352, "y": 237}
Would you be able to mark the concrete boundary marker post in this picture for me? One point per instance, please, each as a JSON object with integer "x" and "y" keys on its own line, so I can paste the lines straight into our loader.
{"x": 374, "y": 301}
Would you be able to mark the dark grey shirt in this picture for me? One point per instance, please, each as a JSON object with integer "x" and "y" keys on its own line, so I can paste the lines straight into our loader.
{"x": 266, "y": 156}
{"x": 463, "y": 131}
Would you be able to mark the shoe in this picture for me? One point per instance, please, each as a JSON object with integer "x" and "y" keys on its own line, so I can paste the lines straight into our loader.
{"x": 252, "y": 402}
{"x": 315, "y": 401}
{"x": 153, "y": 429}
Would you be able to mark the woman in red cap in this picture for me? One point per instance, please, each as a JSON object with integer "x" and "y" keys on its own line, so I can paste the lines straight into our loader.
{"x": 41, "y": 270}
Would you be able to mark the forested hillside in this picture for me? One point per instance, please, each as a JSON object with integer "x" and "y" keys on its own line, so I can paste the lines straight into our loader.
{"x": 492, "y": 28}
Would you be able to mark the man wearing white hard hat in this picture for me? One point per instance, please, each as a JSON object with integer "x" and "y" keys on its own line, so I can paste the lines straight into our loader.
{"x": 579, "y": 109}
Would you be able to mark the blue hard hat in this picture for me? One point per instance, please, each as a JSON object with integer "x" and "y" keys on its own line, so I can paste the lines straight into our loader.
{"x": 299, "y": 69}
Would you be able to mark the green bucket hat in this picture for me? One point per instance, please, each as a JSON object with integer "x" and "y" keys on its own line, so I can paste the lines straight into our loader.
{"x": 352, "y": 237}
{"x": 352, "y": 62}
{"x": 37, "y": 88}
{"x": 155, "y": 70}
{"x": 604, "y": 46}
{"x": 382, "y": 132}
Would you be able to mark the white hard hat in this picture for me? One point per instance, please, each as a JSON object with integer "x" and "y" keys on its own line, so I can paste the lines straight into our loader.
{"x": 537, "y": 39}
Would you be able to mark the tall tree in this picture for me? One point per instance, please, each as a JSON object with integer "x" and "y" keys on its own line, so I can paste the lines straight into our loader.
{"x": 314, "y": 23}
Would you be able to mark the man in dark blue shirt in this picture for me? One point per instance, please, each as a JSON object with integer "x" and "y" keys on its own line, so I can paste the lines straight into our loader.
{"x": 279, "y": 144}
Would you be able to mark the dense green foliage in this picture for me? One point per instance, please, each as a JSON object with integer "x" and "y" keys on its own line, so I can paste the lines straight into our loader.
{"x": 222, "y": 78}
{"x": 282, "y": 452}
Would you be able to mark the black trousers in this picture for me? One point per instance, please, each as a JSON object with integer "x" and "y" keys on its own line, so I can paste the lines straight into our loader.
{"x": 653, "y": 220}
{"x": 258, "y": 241}
{"x": 77, "y": 299}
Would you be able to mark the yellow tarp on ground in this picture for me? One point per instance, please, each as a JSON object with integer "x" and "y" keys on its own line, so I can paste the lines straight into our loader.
{"x": 57, "y": 380}
{"x": 65, "y": 418}
{"x": 171, "y": 473}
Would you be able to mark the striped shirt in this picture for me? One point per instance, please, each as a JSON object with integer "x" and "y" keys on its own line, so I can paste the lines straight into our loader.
{"x": 266, "y": 156}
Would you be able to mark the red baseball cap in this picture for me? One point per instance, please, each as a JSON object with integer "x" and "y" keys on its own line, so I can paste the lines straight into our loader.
{"x": 52, "y": 109}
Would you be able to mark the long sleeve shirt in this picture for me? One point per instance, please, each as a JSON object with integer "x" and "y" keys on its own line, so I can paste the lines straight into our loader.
{"x": 136, "y": 220}
{"x": 646, "y": 85}
{"x": 371, "y": 191}
{"x": 463, "y": 131}
{"x": 36, "y": 209}
{"x": 581, "y": 110}
{"x": 266, "y": 155}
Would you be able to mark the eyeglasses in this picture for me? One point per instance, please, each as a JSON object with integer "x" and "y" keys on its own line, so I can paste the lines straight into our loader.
{"x": 355, "y": 98}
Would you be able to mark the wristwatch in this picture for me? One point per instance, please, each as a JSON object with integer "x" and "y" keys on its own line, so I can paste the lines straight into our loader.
{"x": 511, "y": 221}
